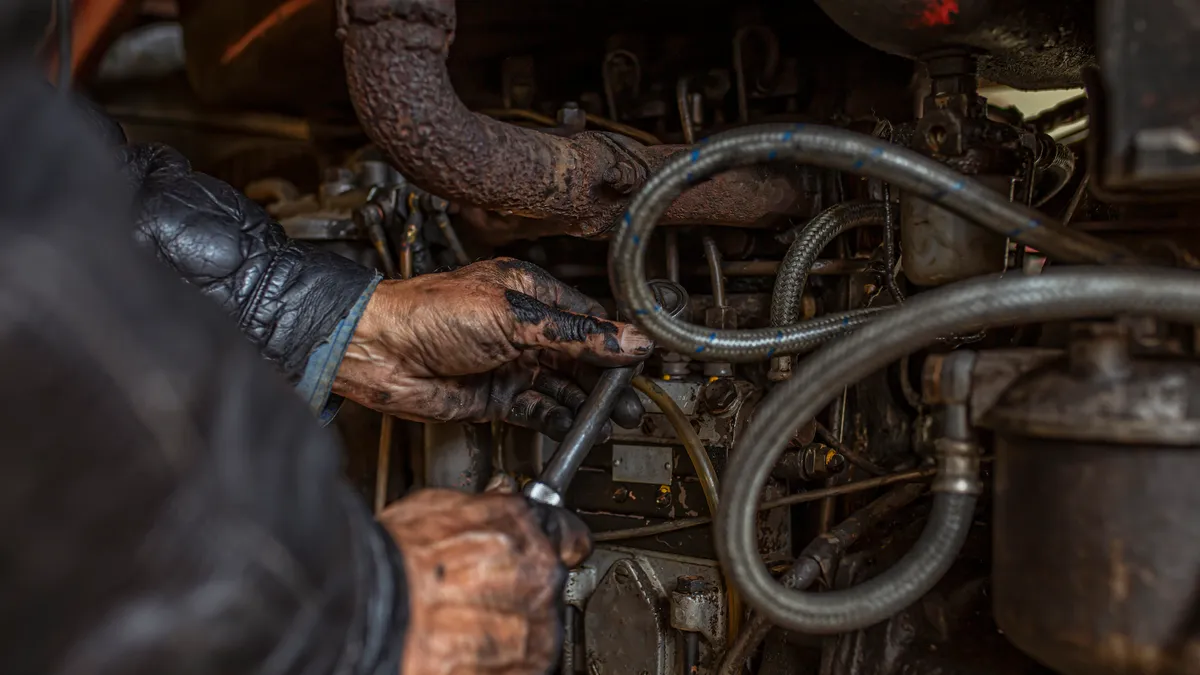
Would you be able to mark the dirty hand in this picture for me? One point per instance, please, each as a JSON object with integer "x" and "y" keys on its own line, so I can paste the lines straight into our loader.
{"x": 485, "y": 577}
{"x": 496, "y": 340}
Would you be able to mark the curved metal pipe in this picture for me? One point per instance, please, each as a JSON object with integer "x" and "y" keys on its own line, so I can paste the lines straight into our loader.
{"x": 395, "y": 55}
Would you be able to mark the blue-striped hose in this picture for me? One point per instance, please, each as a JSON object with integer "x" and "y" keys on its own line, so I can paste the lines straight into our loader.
{"x": 832, "y": 148}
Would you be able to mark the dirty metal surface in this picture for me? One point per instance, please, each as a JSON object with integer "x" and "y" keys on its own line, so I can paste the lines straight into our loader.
{"x": 1096, "y": 552}
{"x": 625, "y": 625}
{"x": 395, "y": 56}
{"x": 650, "y": 464}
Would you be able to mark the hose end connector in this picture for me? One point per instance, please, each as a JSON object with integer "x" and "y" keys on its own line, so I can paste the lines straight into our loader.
{"x": 958, "y": 464}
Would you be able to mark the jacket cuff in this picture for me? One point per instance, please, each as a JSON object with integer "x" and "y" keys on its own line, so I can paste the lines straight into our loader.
{"x": 316, "y": 382}
{"x": 375, "y": 643}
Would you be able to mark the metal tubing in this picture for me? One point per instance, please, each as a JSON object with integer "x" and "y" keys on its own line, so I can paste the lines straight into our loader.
{"x": 713, "y": 255}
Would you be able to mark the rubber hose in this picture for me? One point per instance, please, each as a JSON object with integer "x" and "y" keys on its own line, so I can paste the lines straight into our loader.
{"x": 1063, "y": 294}
{"x": 705, "y": 472}
{"x": 820, "y": 554}
{"x": 832, "y": 148}
{"x": 813, "y": 238}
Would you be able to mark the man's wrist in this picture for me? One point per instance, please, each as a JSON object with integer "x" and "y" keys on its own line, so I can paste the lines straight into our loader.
{"x": 320, "y": 372}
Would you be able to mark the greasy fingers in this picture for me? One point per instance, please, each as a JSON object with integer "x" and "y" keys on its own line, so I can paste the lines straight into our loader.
{"x": 627, "y": 412}
{"x": 581, "y": 336}
{"x": 537, "y": 411}
{"x": 534, "y": 281}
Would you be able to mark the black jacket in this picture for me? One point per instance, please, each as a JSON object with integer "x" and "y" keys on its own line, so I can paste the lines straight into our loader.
{"x": 286, "y": 296}
{"x": 166, "y": 504}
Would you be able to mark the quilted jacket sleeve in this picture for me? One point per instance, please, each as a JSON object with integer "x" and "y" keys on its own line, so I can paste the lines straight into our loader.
{"x": 287, "y": 297}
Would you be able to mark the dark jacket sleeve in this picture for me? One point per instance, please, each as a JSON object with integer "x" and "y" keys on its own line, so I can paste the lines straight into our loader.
{"x": 165, "y": 505}
{"x": 286, "y": 296}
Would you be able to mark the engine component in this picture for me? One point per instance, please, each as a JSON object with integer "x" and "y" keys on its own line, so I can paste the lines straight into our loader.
{"x": 818, "y": 556}
{"x": 1096, "y": 546}
{"x": 941, "y": 246}
{"x": 1027, "y": 44}
{"x": 838, "y": 149}
{"x": 628, "y": 617}
{"x": 967, "y": 305}
{"x": 582, "y": 183}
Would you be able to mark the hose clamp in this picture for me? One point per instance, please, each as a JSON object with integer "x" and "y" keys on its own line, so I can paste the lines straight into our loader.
{"x": 958, "y": 464}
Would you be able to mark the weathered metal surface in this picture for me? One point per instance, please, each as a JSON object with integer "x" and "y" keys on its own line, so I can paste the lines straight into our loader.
{"x": 1096, "y": 552}
{"x": 660, "y": 572}
{"x": 1100, "y": 393}
{"x": 1097, "y": 543}
{"x": 1151, "y": 91}
{"x": 395, "y": 57}
{"x": 650, "y": 464}
{"x": 1027, "y": 44}
{"x": 994, "y": 371}
{"x": 625, "y": 625}
{"x": 699, "y": 607}
{"x": 941, "y": 247}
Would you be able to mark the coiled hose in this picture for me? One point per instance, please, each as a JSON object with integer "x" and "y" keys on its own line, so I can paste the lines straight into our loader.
{"x": 807, "y": 244}
{"x": 828, "y": 147}
{"x": 1067, "y": 293}
{"x": 813, "y": 238}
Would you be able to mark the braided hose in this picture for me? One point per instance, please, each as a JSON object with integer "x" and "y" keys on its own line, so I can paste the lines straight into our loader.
{"x": 822, "y": 146}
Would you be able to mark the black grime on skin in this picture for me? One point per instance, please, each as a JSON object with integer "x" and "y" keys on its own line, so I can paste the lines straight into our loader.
{"x": 561, "y": 326}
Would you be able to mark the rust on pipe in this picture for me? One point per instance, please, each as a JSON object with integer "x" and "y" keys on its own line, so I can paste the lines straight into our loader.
{"x": 395, "y": 55}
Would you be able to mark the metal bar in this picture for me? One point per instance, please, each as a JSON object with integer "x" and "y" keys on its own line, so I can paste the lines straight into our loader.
{"x": 561, "y": 468}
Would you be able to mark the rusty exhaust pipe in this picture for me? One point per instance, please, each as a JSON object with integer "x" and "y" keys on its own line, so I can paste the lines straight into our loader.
{"x": 395, "y": 55}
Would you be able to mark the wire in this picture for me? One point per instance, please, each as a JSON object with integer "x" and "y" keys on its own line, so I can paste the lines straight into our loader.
{"x": 791, "y": 500}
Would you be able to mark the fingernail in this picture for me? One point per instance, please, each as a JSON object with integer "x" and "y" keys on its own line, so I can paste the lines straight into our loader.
{"x": 634, "y": 341}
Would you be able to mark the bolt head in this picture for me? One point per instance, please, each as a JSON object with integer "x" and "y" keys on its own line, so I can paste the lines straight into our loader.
{"x": 690, "y": 585}
{"x": 835, "y": 463}
{"x": 720, "y": 395}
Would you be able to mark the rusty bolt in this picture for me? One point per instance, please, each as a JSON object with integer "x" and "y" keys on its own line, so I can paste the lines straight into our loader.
{"x": 622, "y": 177}
{"x": 720, "y": 395}
{"x": 691, "y": 585}
{"x": 621, "y": 495}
